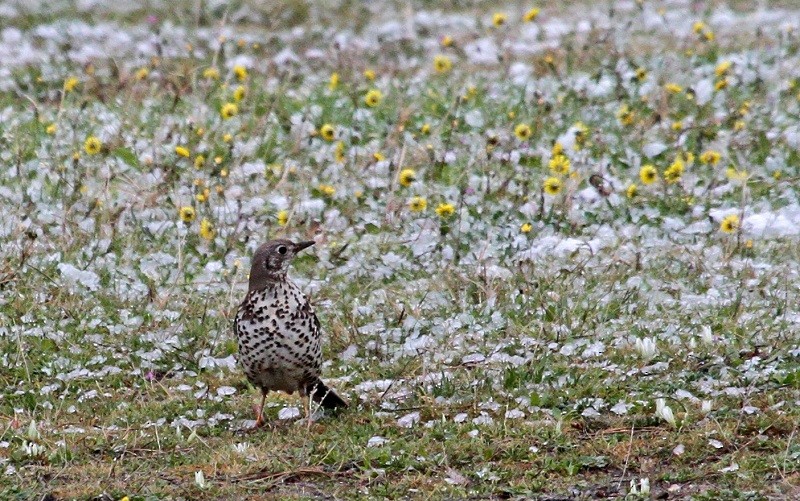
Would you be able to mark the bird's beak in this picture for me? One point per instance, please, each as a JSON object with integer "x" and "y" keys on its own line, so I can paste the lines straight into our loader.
{"x": 303, "y": 245}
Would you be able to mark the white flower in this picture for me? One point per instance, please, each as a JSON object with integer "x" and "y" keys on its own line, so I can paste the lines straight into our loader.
{"x": 706, "y": 335}
{"x": 664, "y": 412}
{"x": 646, "y": 347}
{"x": 200, "y": 479}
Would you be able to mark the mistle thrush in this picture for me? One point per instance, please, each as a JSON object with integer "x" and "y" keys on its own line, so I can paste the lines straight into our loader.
{"x": 277, "y": 331}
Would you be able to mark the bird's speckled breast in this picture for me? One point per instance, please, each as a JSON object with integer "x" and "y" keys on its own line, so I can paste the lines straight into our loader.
{"x": 279, "y": 338}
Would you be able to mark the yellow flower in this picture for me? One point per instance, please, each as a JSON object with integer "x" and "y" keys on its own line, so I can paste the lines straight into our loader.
{"x": 70, "y": 84}
{"x": 92, "y": 145}
{"x": 51, "y": 129}
{"x": 625, "y": 115}
{"x": 327, "y": 190}
{"x": 283, "y": 217}
{"x": 447, "y": 41}
{"x": 407, "y": 176}
{"x": 531, "y": 15}
{"x": 207, "y": 230}
{"x": 552, "y": 186}
{"x": 557, "y": 149}
{"x": 674, "y": 172}
{"x": 182, "y": 152}
{"x": 227, "y": 138}
{"x": 699, "y": 26}
{"x": 526, "y": 228}
{"x": 560, "y": 164}
{"x": 369, "y": 74}
{"x": 239, "y": 93}
{"x": 187, "y": 214}
{"x": 677, "y": 126}
{"x": 327, "y": 132}
{"x": 641, "y": 74}
{"x": 709, "y": 36}
{"x": 202, "y": 197}
{"x": 211, "y": 73}
{"x": 142, "y": 73}
{"x": 721, "y": 84}
{"x": 673, "y": 88}
{"x": 334, "y": 81}
{"x": 499, "y": 19}
{"x": 378, "y": 156}
{"x": 373, "y": 98}
{"x": 722, "y": 68}
{"x": 648, "y": 174}
{"x": 240, "y": 72}
{"x": 339, "y": 152}
{"x": 710, "y": 157}
{"x": 631, "y": 191}
{"x": 738, "y": 125}
{"x": 445, "y": 210}
{"x": 199, "y": 161}
{"x": 522, "y": 131}
{"x": 735, "y": 174}
{"x": 426, "y": 128}
{"x": 417, "y": 204}
{"x": 729, "y": 224}
{"x": 228, "y": 110}
{"x": 442, "y": 64}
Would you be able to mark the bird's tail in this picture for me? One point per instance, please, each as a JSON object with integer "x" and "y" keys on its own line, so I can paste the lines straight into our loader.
{"x": 324, "y": 396}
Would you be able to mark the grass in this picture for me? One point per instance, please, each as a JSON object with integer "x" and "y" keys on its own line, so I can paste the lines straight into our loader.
{"x": 480, "y": 360}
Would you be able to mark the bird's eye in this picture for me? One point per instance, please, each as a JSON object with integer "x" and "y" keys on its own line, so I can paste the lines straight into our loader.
{"x": 282, "y": 249}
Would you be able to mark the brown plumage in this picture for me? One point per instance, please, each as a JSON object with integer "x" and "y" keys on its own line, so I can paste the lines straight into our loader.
{"x": 277, "y": 331}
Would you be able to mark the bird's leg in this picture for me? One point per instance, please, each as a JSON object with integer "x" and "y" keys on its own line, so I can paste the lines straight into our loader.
{"x": 307, "y": 405}
{"x": 260, "y": 411}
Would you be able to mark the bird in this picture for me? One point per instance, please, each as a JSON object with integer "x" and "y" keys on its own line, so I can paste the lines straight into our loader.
{"x": 278, "y": 333}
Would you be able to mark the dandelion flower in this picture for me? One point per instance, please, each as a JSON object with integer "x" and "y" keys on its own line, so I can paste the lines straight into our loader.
{"x": 674, "y": 171}
{"x": 141, "y": 73}
{"x": 333, "y": 82}
{"x": 373, "y": 98}
{"x": 442, "y": 64}
{"x": 240, "y": 72}
{"x": 211, "y": 73}
{"x": 648, "y": 174}
{"x": 70, "y": 84}
{"x": 92, "y": 145}
{"x": 327, "y": 190}
{"x": 239, "y": 93}
{"x": 207, "y": 230}
{"x": 735, "y": 174}
{"x": 378, "y": 156}
{"x": 199, "y": 161}
{"x": 445, "y": 210}
{"x": 673, "y": 88}
{"x": 499, "y": 19}
{"x": 283, "y": 217}
{"x": 187, "y": 214}
{"x": 531, "y": 15}
{"x": 729, "y": 224}
{"x": 557, "y": 149}
{"x": 369, "y": 74}
{"x": 559, "y": 164}
{"x": 631, "y": 191}
{"x": 425, "y": 129}
{"x": 417, "y": 204}
{"x": 327, "y": 132}
{"x": 522, "y": 131}
{"x": 229, "y": 110}
{"x": 51, "y": 129}
{"x": 446, "y": 41}
{"x": 641, "y": 74}
{"x": 526, "y": 228}
{"x": 552, "y": 186}
{"x": 625, "y": 115}
{"x": 710, "y": 157}
{"x": 182, "y": 151}
{"x": 338, "y": 153}
{"x": 722, "y": 68}
{"x": 407, "y": 176}
{"x": 721, "y": 84}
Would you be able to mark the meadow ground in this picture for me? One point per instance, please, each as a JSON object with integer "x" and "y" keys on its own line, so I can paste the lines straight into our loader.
{"x": 557, "y": 249}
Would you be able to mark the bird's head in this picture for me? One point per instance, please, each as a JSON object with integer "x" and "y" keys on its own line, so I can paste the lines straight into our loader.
{"x": 271, "y": 261}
